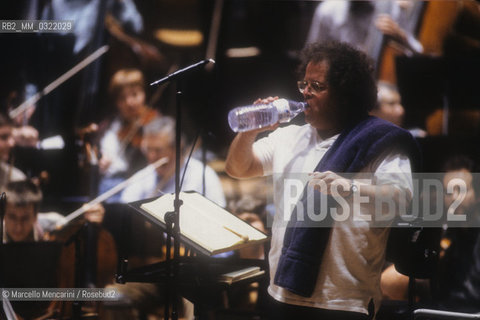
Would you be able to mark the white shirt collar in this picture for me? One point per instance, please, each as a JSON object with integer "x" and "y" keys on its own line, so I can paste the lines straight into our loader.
{"x": 322, "y": 143}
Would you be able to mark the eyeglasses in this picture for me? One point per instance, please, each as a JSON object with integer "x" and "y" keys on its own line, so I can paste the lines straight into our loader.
{"x": 315, "y": 86}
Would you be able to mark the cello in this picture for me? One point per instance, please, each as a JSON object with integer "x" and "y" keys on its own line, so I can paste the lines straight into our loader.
{"x": 90, "y": 256}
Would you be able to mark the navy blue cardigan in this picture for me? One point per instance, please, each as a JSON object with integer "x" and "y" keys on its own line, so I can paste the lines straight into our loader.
{"x": 353, "y": 150}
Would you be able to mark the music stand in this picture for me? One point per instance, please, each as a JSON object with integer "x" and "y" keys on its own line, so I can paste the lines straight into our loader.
{"x": 197, "y": 276}
{"x": 173, "y": 220}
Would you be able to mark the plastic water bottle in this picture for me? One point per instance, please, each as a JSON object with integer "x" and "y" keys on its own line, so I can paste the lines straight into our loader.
{"x": 257, "y": 116}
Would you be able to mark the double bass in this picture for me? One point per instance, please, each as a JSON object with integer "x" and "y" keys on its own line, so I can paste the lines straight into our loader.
{"x": 383, "y": 48}
{"x": 430, "y": 21}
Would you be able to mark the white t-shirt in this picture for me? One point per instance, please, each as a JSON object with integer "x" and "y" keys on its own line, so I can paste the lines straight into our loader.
{"x": 350, "y": 272}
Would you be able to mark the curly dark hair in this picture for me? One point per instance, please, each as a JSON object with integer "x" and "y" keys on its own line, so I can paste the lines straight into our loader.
{"x": 350, "y": 76}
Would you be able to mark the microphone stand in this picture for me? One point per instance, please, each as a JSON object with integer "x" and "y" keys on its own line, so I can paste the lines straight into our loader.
{"x": 172, "y": 219}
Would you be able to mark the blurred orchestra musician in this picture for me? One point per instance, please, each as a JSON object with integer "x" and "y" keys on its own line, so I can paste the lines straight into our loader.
{"x": 159, "y": 142}
{"x": 21, "y": 216}
{"x": 457, "y": 286}
{"x": 24, "y": 134}
{"x": 398, "y": 19}
{"x": 121, "y": 135}
{"x": 383, "y": 30}
{"x": 358, "y": 23}
{"x": 23, "y": 222}
{"x": 389, "y": 107}
{"x": 7, "y": 171}
{"x": 97, "y": 23}
{"x": 460, "y": 47}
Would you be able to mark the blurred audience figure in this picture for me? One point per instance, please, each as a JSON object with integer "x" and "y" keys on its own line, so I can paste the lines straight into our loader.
{"x": 121, "y": 135}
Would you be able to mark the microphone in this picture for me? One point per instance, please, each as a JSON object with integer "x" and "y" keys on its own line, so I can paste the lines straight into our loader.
{"x": 182, "y": 71}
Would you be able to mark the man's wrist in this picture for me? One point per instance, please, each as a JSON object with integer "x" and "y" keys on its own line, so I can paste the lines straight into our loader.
{"x": 353, "y": 188}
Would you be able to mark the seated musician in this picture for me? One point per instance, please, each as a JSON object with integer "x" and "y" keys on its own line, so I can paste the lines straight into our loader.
{"x": 22, "y": 220}
{"x": 355, "y": 22}
{"x": 23, "y": 223}
{"x": 458, "y": 280}
{"x": 121, "y": 135}
{"x": 159, "y": 142}
{"x": 389, "y": 107}
{"x": 24, "y": 135}
{"x": 457, "y": 285}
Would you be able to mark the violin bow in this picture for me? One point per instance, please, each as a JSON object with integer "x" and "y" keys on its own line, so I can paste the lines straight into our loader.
{"x": 139, "y": 175}
{"x": 54, "y": 84}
